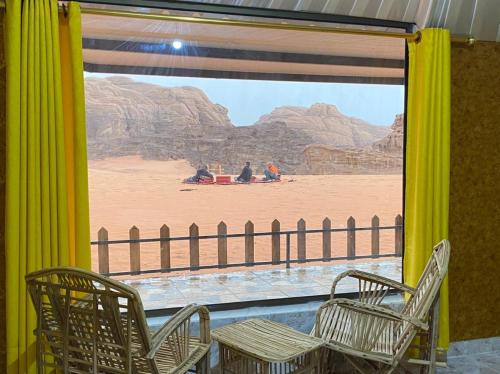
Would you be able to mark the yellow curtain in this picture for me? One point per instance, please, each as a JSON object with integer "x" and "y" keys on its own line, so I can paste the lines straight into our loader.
{"x": 70, "y": 33}
{"x": 428, "y": 158}
{"x": 46, "y": 185}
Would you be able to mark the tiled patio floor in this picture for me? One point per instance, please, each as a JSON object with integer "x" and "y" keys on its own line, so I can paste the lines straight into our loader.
{"x": 479, "y": 363}
{"x": 176, "y": 291}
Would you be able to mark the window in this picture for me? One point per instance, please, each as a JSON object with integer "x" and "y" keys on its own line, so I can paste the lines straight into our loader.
{"x": 168, "y": 98}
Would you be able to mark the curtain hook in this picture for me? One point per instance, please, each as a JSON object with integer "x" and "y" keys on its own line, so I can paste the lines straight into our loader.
{"x": 418, "y": 37}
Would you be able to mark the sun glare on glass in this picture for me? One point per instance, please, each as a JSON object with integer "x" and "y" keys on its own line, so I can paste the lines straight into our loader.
{"x": 177, "y": 44}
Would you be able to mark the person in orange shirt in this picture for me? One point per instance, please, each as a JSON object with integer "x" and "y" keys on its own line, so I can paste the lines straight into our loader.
{"x": 271, "y": 172}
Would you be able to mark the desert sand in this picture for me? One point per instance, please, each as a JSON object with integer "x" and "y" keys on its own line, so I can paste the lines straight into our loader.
{"x": 130, "y": 191}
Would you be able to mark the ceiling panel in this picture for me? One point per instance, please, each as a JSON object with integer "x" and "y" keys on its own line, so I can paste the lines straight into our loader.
{"x": 479, "y": 18}
{"x": 234, "y": 65}
{"x": 105, "y": 27}
{"x": 116, "y": 44}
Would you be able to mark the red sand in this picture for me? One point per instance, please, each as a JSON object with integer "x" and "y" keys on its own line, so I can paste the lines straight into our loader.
{"x": 130, "y": 191}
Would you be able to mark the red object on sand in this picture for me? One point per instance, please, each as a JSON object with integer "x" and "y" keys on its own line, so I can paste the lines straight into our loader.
{"x": 223, "y": 179}
{"x": 206, "y": 181}
{"x": 253, "y": 179}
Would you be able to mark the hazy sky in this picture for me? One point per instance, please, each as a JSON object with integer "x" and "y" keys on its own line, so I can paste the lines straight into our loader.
{"x": 247, "y": 100}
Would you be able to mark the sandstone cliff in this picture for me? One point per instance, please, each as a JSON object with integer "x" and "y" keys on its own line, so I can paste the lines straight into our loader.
{"x": 383, "y": 156}
{"x": 125, "y": 117}
{"x": 322, "y": 159}
{"x": 326, "y": 125}
{"x": 118, "y": 107}
{"x": 393, "y": 142}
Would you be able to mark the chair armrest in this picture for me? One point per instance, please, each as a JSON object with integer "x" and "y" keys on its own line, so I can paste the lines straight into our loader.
{"x": 368, "y": 309}
{"x": 374, "y": 279}
{"x": 174, "y": 326}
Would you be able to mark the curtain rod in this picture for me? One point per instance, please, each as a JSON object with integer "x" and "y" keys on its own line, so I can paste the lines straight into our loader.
{"x": 415, "y": 37}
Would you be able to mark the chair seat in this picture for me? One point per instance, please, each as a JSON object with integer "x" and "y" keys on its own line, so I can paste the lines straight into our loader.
{"x": 351, "y": 335}
{"x": 167, "y": 363}
{"x": 342, "y": 348}
{"x": 347, "y": 338}
{"x": 266, "y": 340}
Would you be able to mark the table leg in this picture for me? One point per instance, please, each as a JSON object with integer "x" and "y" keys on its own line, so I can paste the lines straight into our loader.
{"x": 203, "y": 367}
{"x": 265, "y": 367}
{"x": 221, "y": 358}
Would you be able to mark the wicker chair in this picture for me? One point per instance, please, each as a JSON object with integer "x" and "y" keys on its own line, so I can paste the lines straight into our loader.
{"x": 373, "y": 336}
{"x": 91, "y": 324}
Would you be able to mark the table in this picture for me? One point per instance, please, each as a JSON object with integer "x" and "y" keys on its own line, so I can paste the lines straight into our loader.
{"x": 266, "y": 347}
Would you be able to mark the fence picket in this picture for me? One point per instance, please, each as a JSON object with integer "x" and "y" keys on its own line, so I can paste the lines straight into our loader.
{"x": 301, "y": 240}
{"x": 275, "y": 241}
{"x": 375, "y": 236}
{"x": 194, "y": 247}
{"x": 327, "y": 238}
{"x": 351, "y": 238}
{"x": 135, "y": 250}
{"x": 103, "y": 251}
{"x": 222, "y": 243}
{"x": 165, "y": 247}
{"x": 398, "y": 235}
{"x": 249, "y": 244}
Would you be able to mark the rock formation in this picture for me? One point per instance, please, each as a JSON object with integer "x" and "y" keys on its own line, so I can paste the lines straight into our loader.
{"x": 383, "y": 156}
{"x": 125, "y": 117}
{"x": 326, "y": 125}
{"x": 118, "y": 107}
{"x": 393, "y": 142}
{"x": 322, "y": 159}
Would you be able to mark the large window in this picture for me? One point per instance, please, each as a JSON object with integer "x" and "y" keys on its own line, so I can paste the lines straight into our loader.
{"x": 168, "y": 102}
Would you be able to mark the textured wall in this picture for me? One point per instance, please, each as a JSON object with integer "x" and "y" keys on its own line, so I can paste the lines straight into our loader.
{"x": 2, "y": 196}
{"x": 474, "y": 272}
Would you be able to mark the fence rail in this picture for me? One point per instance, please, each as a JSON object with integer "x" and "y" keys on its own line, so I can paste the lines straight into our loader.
{"x": 276, "y": 234}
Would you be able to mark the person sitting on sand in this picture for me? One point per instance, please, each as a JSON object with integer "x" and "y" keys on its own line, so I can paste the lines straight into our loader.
{"x": 246, "y": 174}
{"x": 202, "y": 174}
{"x": 271, "y": 172}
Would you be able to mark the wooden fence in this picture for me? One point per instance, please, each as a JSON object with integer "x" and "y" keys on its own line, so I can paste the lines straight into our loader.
{"x": 249, "y": 235}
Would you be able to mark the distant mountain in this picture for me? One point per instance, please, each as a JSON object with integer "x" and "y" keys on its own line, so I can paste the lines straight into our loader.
{"x": 326, "y": 125}
{"x": 125, "y": 117}
{"x": 118, "y": 107}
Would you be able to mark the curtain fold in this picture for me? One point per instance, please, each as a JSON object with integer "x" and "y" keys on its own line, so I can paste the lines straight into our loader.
{"x": 428, "y": 158}
{"x": 70, "y": 34}
{"x": 46, "y": 216}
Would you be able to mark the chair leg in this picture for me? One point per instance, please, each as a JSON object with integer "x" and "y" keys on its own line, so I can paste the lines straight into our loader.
{"x": 434, "y": 335}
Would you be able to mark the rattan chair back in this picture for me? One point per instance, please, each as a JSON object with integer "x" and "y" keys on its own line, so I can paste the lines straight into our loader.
{"x": 420, "y": 302}
{"x": 88, "y": 323}
{"x": 366, "y": 330}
